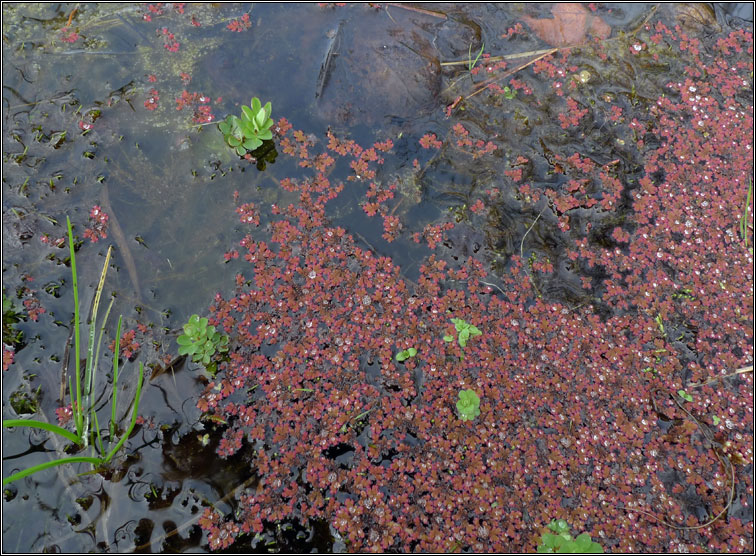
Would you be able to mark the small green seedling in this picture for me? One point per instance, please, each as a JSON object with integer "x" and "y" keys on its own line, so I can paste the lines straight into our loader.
{"x": 201, "y": 341}
{"x": 470, "y": 62}
{"x": 660, "y": 324}
{"x": 509, "y": 94}
{"x": 684, "y": 395}
{"x": 716, "y": 420}
{"x": 406, "y": 354}
{"x": 468, "y": 405}
{"x": 248, "y": 132}
{"x": 464, "y": 332}
{"x": 562, "y": 542}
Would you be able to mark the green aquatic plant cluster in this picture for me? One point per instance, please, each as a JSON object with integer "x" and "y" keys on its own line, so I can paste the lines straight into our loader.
{"x": 12, "y": 315}
{"x": 406, "y": 354}
{"x": 248, "y": 132}
{"x": 464, "y": 332}
{"x": 201, "y": 341}
{"x": 468, "y": 405}
{"x": 684, "y": 395}
{"x": 87, "y": 429}
{"x": 561, "y": 542}
{"x": 508, "y": 93}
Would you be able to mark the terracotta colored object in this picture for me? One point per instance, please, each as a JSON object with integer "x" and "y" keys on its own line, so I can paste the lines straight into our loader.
{"x": 571, "y": 24}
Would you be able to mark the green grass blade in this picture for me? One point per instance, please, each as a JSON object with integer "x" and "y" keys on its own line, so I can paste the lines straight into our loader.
{"x": 96, "y": 363}
{"x": 48, "y": 464}
{"x": 744, "y": 218}
{"x": 115, "y": 378}
{"x": 70, "y": 395}
{"x": 482, "y": 46}
{"x": 91, "y": 370}
{"x": 134, "y": 411}
{"x": 98, "y": 435}
{"x": 44, "y": 426}
{"x": 102, "y": 332}
{"x": 470, "y": 62}
{"x": 76, "y": 404}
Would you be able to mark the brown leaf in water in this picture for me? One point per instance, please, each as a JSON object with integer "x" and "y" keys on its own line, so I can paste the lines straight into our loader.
{"x": 570, "y": 25}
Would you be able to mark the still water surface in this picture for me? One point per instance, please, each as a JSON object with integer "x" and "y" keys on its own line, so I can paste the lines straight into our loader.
{"x": 367, "y": 74}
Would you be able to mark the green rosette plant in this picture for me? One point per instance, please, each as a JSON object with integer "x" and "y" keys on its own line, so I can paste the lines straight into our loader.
{"x": 248, "y": 132}
{"x": 561, "y": 542}
{"x": 201, "y": 340}
{"x": 468, "y": 405}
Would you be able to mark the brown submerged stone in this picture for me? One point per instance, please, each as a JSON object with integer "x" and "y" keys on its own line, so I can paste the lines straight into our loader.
{"x": 571, "y": 24}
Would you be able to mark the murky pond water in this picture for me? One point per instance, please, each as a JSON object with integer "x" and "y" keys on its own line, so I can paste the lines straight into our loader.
{"x": 145, "y": 78}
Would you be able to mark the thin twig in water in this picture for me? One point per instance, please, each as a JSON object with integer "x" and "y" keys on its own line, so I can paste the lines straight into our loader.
{"x": 71, "y": 15}
{"x": 530, "y": 228}
{"x": 493, "y": 286}
{"x": 417, "y": 10}
{"x": 748, "y": 369}
{"x": 84, "y": 51}
{"x": 487, "y": 82}
{"x": 724, "y": 460}
{"x": 522, "y": 241}
{"x": 502, "y": 57}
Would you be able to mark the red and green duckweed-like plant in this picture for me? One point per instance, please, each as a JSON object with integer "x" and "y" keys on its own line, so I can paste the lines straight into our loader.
{"x": 570, "y": 426}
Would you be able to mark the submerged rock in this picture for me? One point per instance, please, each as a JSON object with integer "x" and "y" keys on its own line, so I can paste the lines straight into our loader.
{"x": 571, "y": 24}
{"x": 372, "y": 72}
